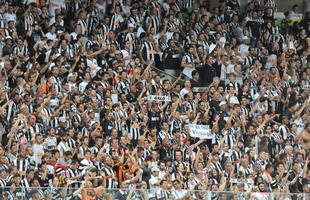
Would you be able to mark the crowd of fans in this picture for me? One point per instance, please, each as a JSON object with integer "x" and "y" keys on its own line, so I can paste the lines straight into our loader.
{"x": 101, "y": 99}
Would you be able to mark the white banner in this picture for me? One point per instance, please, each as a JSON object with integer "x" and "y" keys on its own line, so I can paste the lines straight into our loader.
{"x": 56, "y": 4}
{"x": 158, "y": 98}
{"x": 199, "y": 89}
{"x": 200, "y": 131}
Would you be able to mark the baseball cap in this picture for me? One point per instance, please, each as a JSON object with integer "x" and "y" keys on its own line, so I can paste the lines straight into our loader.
{"x": 222, "y": 103}
{"x": 131, "y": 25}
{"x": 155, "y": 169}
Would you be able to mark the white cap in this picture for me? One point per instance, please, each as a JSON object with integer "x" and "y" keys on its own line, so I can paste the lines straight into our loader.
{"x": 155, "y": 169}
{"x": 57, "y": 55}
{"x": 131, "y": 25}
{"x": 222, "y": 103}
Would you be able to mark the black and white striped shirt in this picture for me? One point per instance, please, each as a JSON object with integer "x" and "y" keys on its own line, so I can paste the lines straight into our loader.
{"x": 84, "y": 26}
{"x": 29, "y": 20}
{"x": 134, "y": 129}
{"x": 62, "y": 148}
{"x": 92, "y": 20}
{"x": 135, "y": 20}
{"x": 21, "y": 165}
{"x": 189, "y": 58}
{"x": 48, "y": 113}
{"x": 216, "y": 165}
{"x": 248, "y": 60}
{"x": 115, "y": 24}
{"x": 25, "y": 183}
{"x": 73, "y": 7}
{"x": 105, "y": 31}
{"x": 11, "y": 110}
{"x": 21, "y": 51}
{"x": 2, "y": 21}
{"x": 70, "y": 173}
{"x": 187, "y": 3}
{"x": 277, "y": 136}
{"x": 229, "y": 138}
{"x": 154, "y": 22}
{"x": 3, "y": 183}
{"x": 147, "y": 50}
{"x": 236, "y": 155}
{"x": 171, "y": 25}
{"x": 131, "y": 37}
{"x": 124, "y": 86}
{"x": 162, "y": 194}
{"x": 244, "y": 110}
{"x": 90, "y": 44}
{"x": 69, "y": 50}
{"x": 57, "y": 84}
{"x": 284, "y": 131}
{"x": 270, "y": 3}
{"x": 109, "y": 172}
{"x": 8, "y": 32}
{"x": 83, "y": 149}
{"x": 175, "y": 125}
{"x": 36, "y": 128}
{"x": 162, "y": 135}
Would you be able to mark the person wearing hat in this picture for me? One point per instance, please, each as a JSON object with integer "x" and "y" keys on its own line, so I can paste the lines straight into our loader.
{"x": 243, "y": 48}
{"x": 7, "y": 49}
{"x": 155, "y": 180}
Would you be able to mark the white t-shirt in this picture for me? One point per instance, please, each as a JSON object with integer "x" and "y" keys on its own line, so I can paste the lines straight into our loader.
{"x": 179, "y": 194}
{"x": 183, "y": 92}
{"x": 51, "y": 36}
{"x": 50, "y": 142}
{"x": 94, "y": 68}
{"x": 38, "y": 152}
{"x": 82, "y": 86}
{"x": 243, "y": 50}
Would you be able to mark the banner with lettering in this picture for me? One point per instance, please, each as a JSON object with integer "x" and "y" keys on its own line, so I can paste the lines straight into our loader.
{"x": 200, "y": 131}
{"x": 158, "y": 98}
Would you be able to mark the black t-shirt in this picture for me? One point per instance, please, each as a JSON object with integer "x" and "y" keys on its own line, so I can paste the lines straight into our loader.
{"x": 294, "y": 188}
{"x": 208, "y": 73}
{"x": 196, "y": 83}
{"x": 255, "y": 28}
{"x": 171, "y": 59}
{"x": 305, "y": 181}
{"x": 154, "y": 119}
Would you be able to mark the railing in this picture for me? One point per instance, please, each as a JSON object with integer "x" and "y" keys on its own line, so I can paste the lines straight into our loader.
{"x": 132, "y": 193}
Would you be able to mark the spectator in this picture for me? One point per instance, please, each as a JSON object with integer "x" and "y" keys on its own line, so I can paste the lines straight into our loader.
{"x": 106, "y": 99}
